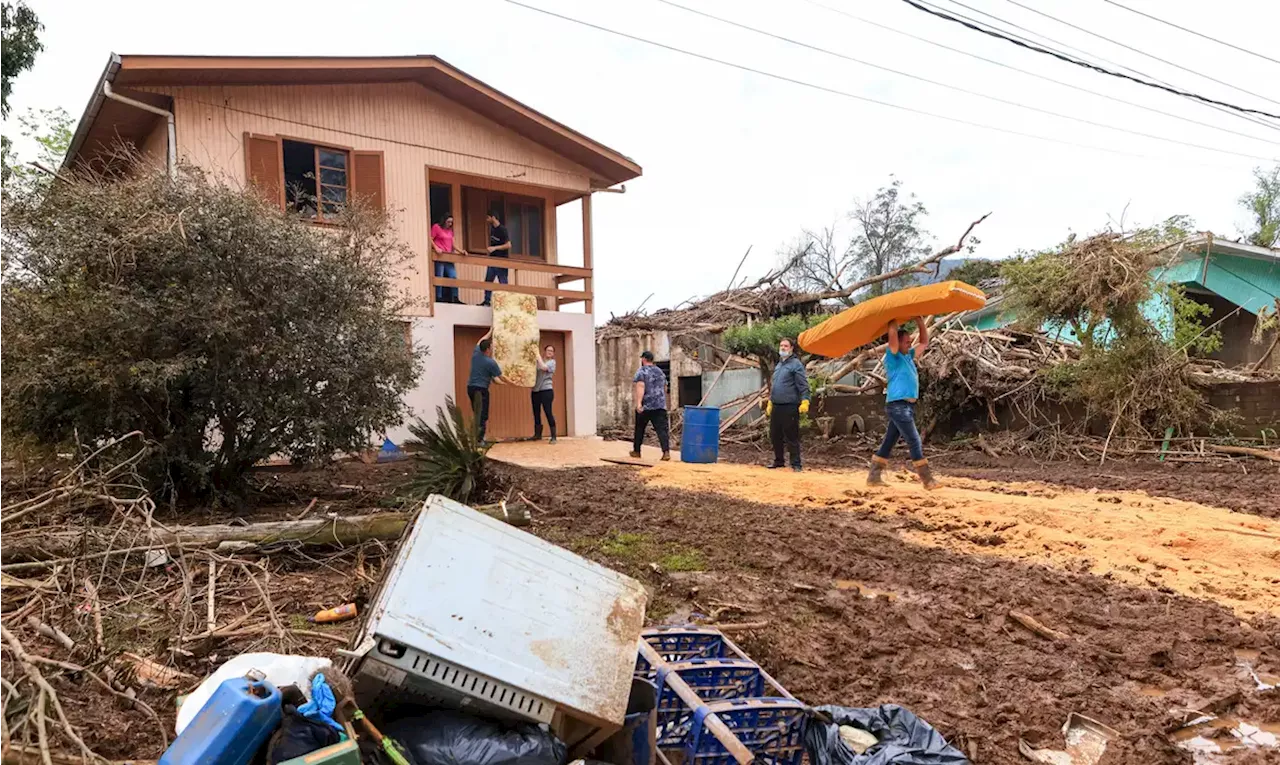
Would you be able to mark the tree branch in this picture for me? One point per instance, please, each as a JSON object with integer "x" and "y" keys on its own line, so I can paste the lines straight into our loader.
{"x": 917, "y": 267}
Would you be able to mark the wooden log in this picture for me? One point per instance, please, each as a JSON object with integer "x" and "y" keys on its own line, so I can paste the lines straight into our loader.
{"x": 1247, "y": 451}
{"x": 40, "y": 551}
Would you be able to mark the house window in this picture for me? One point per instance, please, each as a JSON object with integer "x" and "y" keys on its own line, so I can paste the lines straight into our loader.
{"x": 316, "y": 181}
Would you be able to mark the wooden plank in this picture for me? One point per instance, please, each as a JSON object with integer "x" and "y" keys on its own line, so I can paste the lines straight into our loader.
{"x": 520, "y": 288}
{"x": 515, "y": 263}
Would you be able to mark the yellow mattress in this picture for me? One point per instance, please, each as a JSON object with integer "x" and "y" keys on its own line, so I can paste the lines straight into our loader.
{"x": 515, "y": 336}
{"x": 870, "y": 319}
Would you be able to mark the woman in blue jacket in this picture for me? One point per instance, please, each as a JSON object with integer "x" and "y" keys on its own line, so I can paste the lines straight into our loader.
{"x": 788, "y": 399}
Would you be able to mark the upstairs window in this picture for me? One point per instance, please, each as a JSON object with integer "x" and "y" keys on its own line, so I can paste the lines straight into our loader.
{"x": 315, "y": 179}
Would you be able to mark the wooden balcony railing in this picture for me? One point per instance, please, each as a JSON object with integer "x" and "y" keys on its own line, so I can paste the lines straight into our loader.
{"x": 514, "y": 265}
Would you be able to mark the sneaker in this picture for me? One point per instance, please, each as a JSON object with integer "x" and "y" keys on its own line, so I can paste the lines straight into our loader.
{"x": 553, "y": 440}
{"x": 634, "y": 455}
{"x": 666, "y": 456}
{"x": 796, "y": 469}
{"x": 774, "y": 467}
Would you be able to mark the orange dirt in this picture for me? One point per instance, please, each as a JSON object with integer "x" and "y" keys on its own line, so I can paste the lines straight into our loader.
{"x": 1197, "y": 550}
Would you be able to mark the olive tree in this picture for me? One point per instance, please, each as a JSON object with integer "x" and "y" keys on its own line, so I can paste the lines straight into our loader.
{"x": 225, "y": 330}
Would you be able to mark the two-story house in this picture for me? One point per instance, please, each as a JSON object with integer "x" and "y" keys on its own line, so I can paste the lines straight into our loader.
{"x": 415, "y": 135}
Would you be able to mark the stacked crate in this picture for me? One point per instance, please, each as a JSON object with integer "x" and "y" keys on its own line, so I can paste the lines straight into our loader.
{"x": 715, "y": 706}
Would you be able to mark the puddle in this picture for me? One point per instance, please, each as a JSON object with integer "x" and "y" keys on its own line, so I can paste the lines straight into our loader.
{"x": 1209, "y": 737}
{"x": 867, "y": 592}
{"x": 1246, "y": 660}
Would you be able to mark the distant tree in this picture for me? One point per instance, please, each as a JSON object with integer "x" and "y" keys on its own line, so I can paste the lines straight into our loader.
{"x": 1263, "y": 204}
{"x": 224, "y": 329}
{"x": 51, "y": 130}
{"x": 975, "y": 270}
{"x": 19, "y": 42}
{"x": 887, "y": 234}
{"x": 762, "y": 337}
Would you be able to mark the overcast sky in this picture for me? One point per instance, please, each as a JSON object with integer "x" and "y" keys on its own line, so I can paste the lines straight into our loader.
{"x": 735, "y": 159}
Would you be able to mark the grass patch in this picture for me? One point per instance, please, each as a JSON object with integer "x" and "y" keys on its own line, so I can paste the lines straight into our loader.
{"x": 684, "y": 560}
{"x": 640, "y": 549}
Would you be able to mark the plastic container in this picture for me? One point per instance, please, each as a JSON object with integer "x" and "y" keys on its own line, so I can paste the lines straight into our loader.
{"x": 680, "y": 643}
{"x": 231, "y": 726}
{"x": 773, "y": 729}
{"x": 700, "y": 441}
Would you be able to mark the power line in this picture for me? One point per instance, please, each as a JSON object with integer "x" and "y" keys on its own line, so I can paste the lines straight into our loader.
{"x": 1144, "y": 53}
{"x": 1071, "y": 60}
{"x": 1080, "y": 51}
{"x": 957, "y": 88}
{"x": 814, "y": 86}
{"x": 1037, "y": 75}
{"x": 1192, "y": 32}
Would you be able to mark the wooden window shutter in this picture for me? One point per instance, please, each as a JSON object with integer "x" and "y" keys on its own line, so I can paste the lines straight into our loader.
{"x": 367, "y": 180}
{"x": 264, "y": 166}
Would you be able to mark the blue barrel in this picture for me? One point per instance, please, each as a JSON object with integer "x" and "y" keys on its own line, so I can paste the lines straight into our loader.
{"x": 230, "y": 727}
{"x": 701, "y": 439}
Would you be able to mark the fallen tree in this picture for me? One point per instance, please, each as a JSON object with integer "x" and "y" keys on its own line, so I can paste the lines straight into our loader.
{"x": 42, "y": 548}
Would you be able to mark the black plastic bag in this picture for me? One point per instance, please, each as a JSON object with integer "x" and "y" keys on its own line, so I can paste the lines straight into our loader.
{"x": 904, "y": 739}
{"x": 297, "y": 736}
{"x": 453, "y": 738}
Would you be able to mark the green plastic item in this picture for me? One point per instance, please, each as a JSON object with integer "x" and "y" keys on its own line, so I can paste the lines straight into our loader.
{"x": 346, "y": 753}
{"x": 1164, "y": 448}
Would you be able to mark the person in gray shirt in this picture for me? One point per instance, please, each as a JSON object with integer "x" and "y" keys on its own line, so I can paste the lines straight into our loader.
{"x": 544, "y": 394}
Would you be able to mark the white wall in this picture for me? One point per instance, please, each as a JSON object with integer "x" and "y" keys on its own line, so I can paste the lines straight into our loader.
{"x": 437, "y": 382}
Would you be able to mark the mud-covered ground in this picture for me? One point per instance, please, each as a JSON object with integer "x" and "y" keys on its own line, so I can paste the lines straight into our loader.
{"x": 856, "y": 615}
{"x": 1244, "y": 485}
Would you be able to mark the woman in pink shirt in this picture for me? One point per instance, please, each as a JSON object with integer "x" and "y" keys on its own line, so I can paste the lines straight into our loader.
{"x": 442, "y": 242}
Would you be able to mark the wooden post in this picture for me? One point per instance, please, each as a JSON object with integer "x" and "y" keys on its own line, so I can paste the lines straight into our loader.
{"x": 587, "y": 284}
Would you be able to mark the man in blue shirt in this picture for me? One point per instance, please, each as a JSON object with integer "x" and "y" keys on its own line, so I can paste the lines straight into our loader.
{"x": 651, "y": 405}
{"x": 900, "y": 403}
{"x": 788, "y": 399}
{"x": 484, "y": 370}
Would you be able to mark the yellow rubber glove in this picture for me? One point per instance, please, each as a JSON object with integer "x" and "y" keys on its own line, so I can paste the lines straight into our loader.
{"x": 804, "y": 407}
{"x": 768, "y": 409}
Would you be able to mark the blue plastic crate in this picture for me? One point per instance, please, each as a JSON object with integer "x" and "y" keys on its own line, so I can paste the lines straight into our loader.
{"x": 681, "y": 643}
{"x": 712, "y": 680}
{"x": 772, "y": 728}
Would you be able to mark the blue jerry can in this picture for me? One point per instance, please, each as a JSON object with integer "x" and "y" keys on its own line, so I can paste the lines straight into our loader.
{"x": 228, "y": 730}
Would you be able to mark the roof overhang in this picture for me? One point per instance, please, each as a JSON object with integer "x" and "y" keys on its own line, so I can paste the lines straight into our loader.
{"x": 430, "y": 71}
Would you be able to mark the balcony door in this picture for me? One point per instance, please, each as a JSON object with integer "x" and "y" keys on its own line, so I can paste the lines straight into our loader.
{"x": 525, "y": 218}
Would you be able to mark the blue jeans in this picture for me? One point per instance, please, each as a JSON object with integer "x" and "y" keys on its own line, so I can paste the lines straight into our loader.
{"x": 492, "y": 274}
{"x": 902, "y": 422}
{"x": 447, "y": 271}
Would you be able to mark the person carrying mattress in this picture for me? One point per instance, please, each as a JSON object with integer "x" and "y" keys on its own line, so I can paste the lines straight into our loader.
{"x": 901, "y": 392}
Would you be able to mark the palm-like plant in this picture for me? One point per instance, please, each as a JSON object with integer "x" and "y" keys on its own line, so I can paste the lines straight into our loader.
{"x": 450, "y": 460}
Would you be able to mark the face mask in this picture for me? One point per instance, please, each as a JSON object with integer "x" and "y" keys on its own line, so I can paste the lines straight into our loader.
{"x": 783, "y": 354}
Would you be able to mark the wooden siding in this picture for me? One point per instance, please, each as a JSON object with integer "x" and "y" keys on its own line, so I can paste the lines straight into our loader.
{"x": 155, "y": 144}
{"x": 414, "y": 127}
{"x": 510, "y": 407}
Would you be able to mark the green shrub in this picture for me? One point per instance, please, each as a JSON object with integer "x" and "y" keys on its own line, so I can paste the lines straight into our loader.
{"x": 224, "y": 329}
{"x": 450, "y": 459}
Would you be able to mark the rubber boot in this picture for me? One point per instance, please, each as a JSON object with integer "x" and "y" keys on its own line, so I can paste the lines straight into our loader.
{"x": 926, "y": 474}
{"x": 878, "y": 464}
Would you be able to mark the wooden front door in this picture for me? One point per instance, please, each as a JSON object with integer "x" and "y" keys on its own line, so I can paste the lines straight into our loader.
{"x": 510, "y": 408}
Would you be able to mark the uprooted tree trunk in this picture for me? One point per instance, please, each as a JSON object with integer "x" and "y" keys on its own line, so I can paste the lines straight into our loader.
{"x": 41, "y": 548}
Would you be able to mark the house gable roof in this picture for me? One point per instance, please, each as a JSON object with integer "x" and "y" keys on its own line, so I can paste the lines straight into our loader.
{"x": 430, "y": 71}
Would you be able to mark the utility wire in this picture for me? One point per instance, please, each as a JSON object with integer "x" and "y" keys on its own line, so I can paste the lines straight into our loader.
{"x": 1148, "y": 55}
{"x": 957, "y": 88}
{"x": 1086, "y": 54}
{"x": 1192, "y": 31}
{"x": 814, "y": 86}
{"x": 1038, "y": 76}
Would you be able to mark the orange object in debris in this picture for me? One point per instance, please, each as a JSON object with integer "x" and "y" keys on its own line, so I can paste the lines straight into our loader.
{"x": 339, "y": 614}
{"x": 870, "y": 319}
